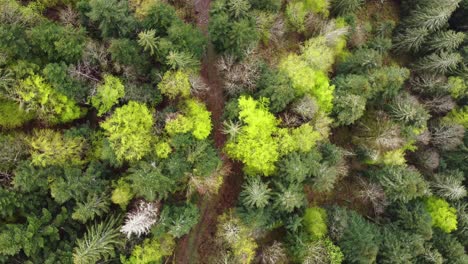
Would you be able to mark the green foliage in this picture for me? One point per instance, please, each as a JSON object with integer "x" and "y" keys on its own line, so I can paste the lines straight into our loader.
{"x": 147, "y": 40}
{"x": 317, "y": 54}
{"x": 57, "y": 43}
{"x": 200, "y": 117}
{"x": 442, "y": 214}
{"x": 413, "y": 218}
{"x": 195, "y": 118}
{"x": 127, "y": 52}
{"x": 237, "y": 237}
{"x": 73, "y": 184}
{"x": 178, "y": 220}
{"x": 410, "y": 39}
{"x": 255, "y": 145}
{"x": 458, "y": 116}
{"x": 407, "y": 110}
{"x": 290, "y": 197}
{"x": 458, "y": 86}
{"x": 99, "y": 242}
{"x": 151, "y": 252}
{"x": 175, "y": 83}
{"x": 129, "y": 131}
{"x": 349, "y": 108}
{"x": 112, "y": 17}
{"x": 296, "y": 167}
{"x": 36, "y": 95}
{"x": 57, "y": 74}
{"x": 452, "y": 250}
{"x": 107, "y": 94}
{"x": 94, "y": 205}
{"x": 344, "y": 7}
{"x": 315, "y": 222}
{"x": 187, "y": 38}
{"x": 307, "y": 80}
{"x": 441, "y": 62}
{"x": 149, "y": 182}
{"x": 296, "y": 15}
{"x": 231, "y": 28}
{"x": 400, "y": 183}
{"x": 360, "y": 62}
{"x": 255, "y": 193}
{"x": 445, "y": 40}
{"x": 360, "y": 240}
{"x": 122, "y": 194}
{"x": 160, "y": 17}
{"x": 12, "y": 115}
{"x": 399, "y": 247}
{"x": 389, "y": 80}
{"x": 276, "y": 87}
{"x": 50, "y": 147}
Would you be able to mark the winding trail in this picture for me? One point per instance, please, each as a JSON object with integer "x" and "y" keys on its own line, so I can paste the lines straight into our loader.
{"x": 196, "y": 247}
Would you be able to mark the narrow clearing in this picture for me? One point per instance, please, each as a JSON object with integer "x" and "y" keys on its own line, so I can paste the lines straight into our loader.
{"x": 195, "y": 247}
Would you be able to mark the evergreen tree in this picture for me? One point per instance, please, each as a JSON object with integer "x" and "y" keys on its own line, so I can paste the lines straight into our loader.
{"x": 99, "y": 242}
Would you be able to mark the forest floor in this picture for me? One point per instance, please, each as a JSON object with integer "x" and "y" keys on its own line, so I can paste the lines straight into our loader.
{"x": 195, "y": 247}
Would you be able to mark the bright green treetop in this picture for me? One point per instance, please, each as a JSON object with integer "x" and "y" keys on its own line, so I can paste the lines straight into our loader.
{"x": 195, "y": 117}
{"x": 307, "y": 80}
{"x": 443, "y": 215}
{"x": 255, "y": 144}
{"x": 175, "y": 83}
{"x": 36, "y": 95}
{"x": 129, "y": 131}
{"x": 108, "y": 94}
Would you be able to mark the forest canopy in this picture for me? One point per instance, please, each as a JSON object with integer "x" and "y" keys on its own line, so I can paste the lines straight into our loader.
{"x": 233, "y": 131}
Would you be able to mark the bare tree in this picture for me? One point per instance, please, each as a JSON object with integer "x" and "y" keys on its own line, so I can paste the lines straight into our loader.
{"x": 447, "y": 136}
{"x": 68, "y": 16}
{"x": 239, "y": 77}
{"x": 197, "y": 85}
{"x": 440, "y": 104}
{"x": 274, "y": 254}
{"x": 428, "y": 158}
{"x": 374, "y": 194}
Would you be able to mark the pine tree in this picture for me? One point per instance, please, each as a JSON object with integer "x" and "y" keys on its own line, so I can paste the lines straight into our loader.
{"x": 449, "y": 185}
{"x": 148, "y": 40}
{"x": 410, "y": 39}
{"x": 344, "y": 7}
{"x": 255, "y": 193}
{"x": 99, "y": 242}
{"x": 440, "y": 63}
{"x": 445, "y": 40}
{"x": 94, "y": 205}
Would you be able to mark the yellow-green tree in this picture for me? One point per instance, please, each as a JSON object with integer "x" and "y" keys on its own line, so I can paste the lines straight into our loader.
{"x": 108, "y": 94}
{"x": 129, "y": 131}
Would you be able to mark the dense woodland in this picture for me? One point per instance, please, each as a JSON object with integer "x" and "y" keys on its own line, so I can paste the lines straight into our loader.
{"x": 258, "y": 131}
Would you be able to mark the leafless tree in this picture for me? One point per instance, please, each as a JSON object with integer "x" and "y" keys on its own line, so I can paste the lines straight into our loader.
{"x": 428, "y": 159}
{"x": 306, "y": 107}
{"x": 273, "y": 254}
{"x": 277, "y": 31}
{"x": 239, "y": 76}
{"x": 197, "y": 85}
{"x": 68, "y": 16}
{"x": 439, "y": 104}
{"x": 374, "y": 194}
{"x": 447, "y": 136}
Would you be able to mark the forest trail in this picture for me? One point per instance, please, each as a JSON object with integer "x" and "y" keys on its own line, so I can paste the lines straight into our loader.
{"x": 195, "y": 247}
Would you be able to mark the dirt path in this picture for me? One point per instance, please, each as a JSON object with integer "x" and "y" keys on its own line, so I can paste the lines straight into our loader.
{"x": 195, "y": 247}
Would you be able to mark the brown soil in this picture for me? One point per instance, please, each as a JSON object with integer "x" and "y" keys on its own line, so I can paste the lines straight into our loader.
{"x": 197, "y": 246}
